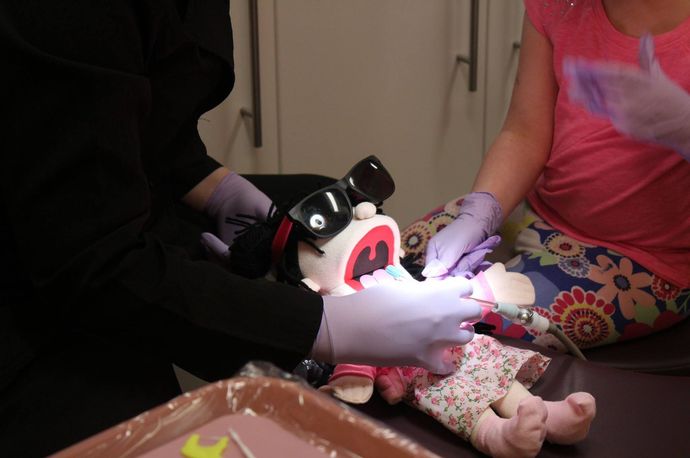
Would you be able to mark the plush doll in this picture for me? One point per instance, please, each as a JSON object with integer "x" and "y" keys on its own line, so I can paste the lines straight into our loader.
{"x": 486, "y": 400}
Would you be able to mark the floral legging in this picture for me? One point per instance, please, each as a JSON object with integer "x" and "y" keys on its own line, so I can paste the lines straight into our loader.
{"x": 596, "y": 295}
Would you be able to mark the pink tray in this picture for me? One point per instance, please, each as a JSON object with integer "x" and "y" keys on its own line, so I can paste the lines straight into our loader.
{"x": 313, "y": 418}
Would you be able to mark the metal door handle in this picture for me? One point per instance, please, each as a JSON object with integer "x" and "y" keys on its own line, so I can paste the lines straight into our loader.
{"x": 473, "y": 59}
{"x": 255, "y": 114}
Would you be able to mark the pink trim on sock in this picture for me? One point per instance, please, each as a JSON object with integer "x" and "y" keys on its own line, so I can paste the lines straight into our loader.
{"x": 358, "y": 370}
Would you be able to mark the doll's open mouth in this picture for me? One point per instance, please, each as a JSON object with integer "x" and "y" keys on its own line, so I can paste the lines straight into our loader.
{"x": 374, "y": 251}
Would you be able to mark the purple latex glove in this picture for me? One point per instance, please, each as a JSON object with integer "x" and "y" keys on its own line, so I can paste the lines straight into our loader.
{"x": 398, "y": 323}
{"x": 233, "y": 201}
{"x": 479, "y": 217}
{"x": 472, "y": 262}
{"x": 642, "y": 103}
{"x": 217, "y": 250}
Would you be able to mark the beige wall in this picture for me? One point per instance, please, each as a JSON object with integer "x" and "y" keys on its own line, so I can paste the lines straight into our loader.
{"x": 344, "y": 79}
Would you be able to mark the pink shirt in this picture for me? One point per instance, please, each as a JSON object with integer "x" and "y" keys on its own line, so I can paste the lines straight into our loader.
{"x": 599, "y": 186}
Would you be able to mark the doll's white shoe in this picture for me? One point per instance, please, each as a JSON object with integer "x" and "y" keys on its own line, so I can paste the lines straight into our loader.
{"x": 350, "y": 388}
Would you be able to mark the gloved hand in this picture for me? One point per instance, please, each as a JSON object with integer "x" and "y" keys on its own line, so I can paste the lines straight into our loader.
{"x": 479, "y": 217}
{"x": 642, "y": 103}
{"x": 398, "y": 323}
{"x": 233, "y": 201}
{"x": 217, "y": 250}
{"x": 472, "y": 261}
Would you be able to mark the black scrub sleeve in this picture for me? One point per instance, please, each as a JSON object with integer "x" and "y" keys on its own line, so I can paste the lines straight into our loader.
{"x": 77, "y": 100}
{"x": 189, "y": 169}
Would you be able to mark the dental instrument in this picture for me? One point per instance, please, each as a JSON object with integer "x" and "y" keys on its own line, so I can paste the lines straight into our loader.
{"x": 520, "y": 314}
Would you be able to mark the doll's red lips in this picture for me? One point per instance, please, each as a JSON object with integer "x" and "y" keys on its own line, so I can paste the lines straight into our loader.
{"x": 373, "y": 251}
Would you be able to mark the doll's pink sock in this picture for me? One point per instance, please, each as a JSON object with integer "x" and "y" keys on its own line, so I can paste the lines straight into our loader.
{"x": 570, "y": 418}
{"x": 519, "y": 436}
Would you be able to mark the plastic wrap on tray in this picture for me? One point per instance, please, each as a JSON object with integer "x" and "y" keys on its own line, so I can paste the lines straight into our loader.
{"x": 260, "y": 412}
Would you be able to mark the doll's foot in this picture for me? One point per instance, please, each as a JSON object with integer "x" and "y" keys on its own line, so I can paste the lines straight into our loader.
{"x": 569, "y": 419}
{"x": 516, "y": 437}
{"x": 350, "y": 388}
{"x": 390, "y": 385}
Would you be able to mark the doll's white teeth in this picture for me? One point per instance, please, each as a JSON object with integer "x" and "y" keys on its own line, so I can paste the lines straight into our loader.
{"x": 367, "y": 281}
{"x": 375, "y": 278}
{"x": 378, "y": 272}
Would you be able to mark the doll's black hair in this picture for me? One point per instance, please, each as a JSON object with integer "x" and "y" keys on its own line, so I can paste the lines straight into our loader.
{"x": 250, "y": 253}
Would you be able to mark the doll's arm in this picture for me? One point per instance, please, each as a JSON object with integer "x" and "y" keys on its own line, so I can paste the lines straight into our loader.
{"x": 391, "y": 384}
{"x": 352, "y": 383}
{"x": 497, "y": 285}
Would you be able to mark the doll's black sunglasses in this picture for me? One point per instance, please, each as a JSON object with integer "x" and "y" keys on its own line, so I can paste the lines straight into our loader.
{"x": 326, "y": 212}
